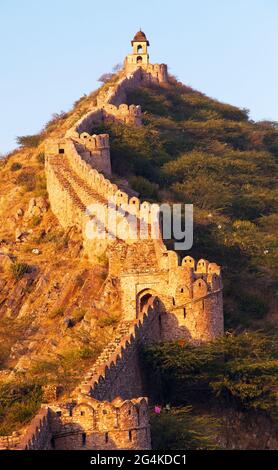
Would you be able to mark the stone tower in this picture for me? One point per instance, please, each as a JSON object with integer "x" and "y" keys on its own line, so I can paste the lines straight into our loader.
{"x": 139, "y": 56}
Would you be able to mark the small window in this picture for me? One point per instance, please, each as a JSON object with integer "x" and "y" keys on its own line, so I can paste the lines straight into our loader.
{"x": 174, "y": 302}
{"x": 106, "y": 437}
{"x": 84, "y": 438}
{"x": 182, "y": 290}
{"x": 61, "y": 150}
{"x": 70, "y": 411}
{"x": 82, "y": 413}
{"x": 130, "y": 435}
{"x": 184, "y": 313}
{"x": 59, "y": 413}
{"x": 129, "y": 412}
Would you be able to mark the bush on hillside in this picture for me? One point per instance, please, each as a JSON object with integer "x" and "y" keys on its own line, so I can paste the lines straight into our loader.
{"x": 179, "y": 429}
{"x": 27, "y": 179}
{"x": 240, "y": 370}
{"x": 144, "y": 187}
{"x": 29, "y": 140}
{"x": 19, "y": 270}
{"x": 19, "y": 402}
{"x": 16, "y": 166}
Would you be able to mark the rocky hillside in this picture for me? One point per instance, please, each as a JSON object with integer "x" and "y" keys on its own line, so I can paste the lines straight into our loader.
{"x": 54, "y": 320}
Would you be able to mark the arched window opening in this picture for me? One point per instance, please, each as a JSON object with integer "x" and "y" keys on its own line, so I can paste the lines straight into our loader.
{"x": 139, "y": 60}
{"x": 84, "y": 437}
{"x": 139, "y": 49}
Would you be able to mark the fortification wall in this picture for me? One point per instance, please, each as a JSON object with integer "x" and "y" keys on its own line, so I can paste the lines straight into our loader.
{"x": 157, "y": 73}
{"x": 117, "y": 371}
{"x": 192, "y": 300}
{"x": 86, "y": 424}
{"x": 161, "y": 300}
{"x": 37, "y": 435}
{"x": 123, "y": 113}
{"x": 89, "y": 424}
{"x": 10, "y": 442}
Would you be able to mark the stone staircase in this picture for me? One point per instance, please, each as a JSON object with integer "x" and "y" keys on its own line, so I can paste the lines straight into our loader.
{"x": 85, "y": 194}
{"x": 123, "y": 330}
{"x": 81, "y": 194}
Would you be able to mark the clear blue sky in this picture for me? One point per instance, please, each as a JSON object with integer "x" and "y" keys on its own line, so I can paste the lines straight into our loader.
{"x": 53, "y": 51}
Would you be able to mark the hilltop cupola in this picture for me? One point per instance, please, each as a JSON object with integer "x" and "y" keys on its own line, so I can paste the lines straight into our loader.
{"x": 139, "y": 56}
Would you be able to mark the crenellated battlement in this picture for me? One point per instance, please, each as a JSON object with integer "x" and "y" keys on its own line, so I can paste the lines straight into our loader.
{"x": 108, "y": 377}
{"x": 86, "y": 423}
{"x": 123, "y": 113}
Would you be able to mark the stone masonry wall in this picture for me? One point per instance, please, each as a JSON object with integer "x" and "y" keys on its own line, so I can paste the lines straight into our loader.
{"x": 117, "y": 371}
{"x": 85, "y": 424}
{"x": 90, "y": 424}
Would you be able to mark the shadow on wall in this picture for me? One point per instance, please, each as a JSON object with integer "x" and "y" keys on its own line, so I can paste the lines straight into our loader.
{"x": 170, "y": 328}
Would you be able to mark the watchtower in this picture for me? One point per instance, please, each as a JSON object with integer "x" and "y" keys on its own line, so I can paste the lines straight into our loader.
{"x": 139, "y": 56}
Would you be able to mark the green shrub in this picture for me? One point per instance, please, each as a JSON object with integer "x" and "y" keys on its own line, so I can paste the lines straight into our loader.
{"x": 27, "y": 179}
{"x": 41, "y": 158}
{"x": 77, "y": 315}
{"x": 79, "y": 280}
{"x": 108, "y": 320}
{"x": 240, "y": 370}
{"x": 90, "y": 352}
{"x": 36, "y": 220}
{"x": 16, "y": 166}
{"x": 29, "y": 140}
{"x": 144, "y": 187}
{"x": 20, "y": 269}
{"x": 19, "y": 402}
{"x": 179, "y": 429}
{"x": 55, "y": 236}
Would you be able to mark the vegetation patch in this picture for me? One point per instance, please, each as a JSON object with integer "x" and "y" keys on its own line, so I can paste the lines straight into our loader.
{"x": 20, "y": 269}
{"x": 179, "y": 429}
{"x": 240, "y": 371}
{"x": 16, "y": 166}
{"x": 19, "y": 402}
